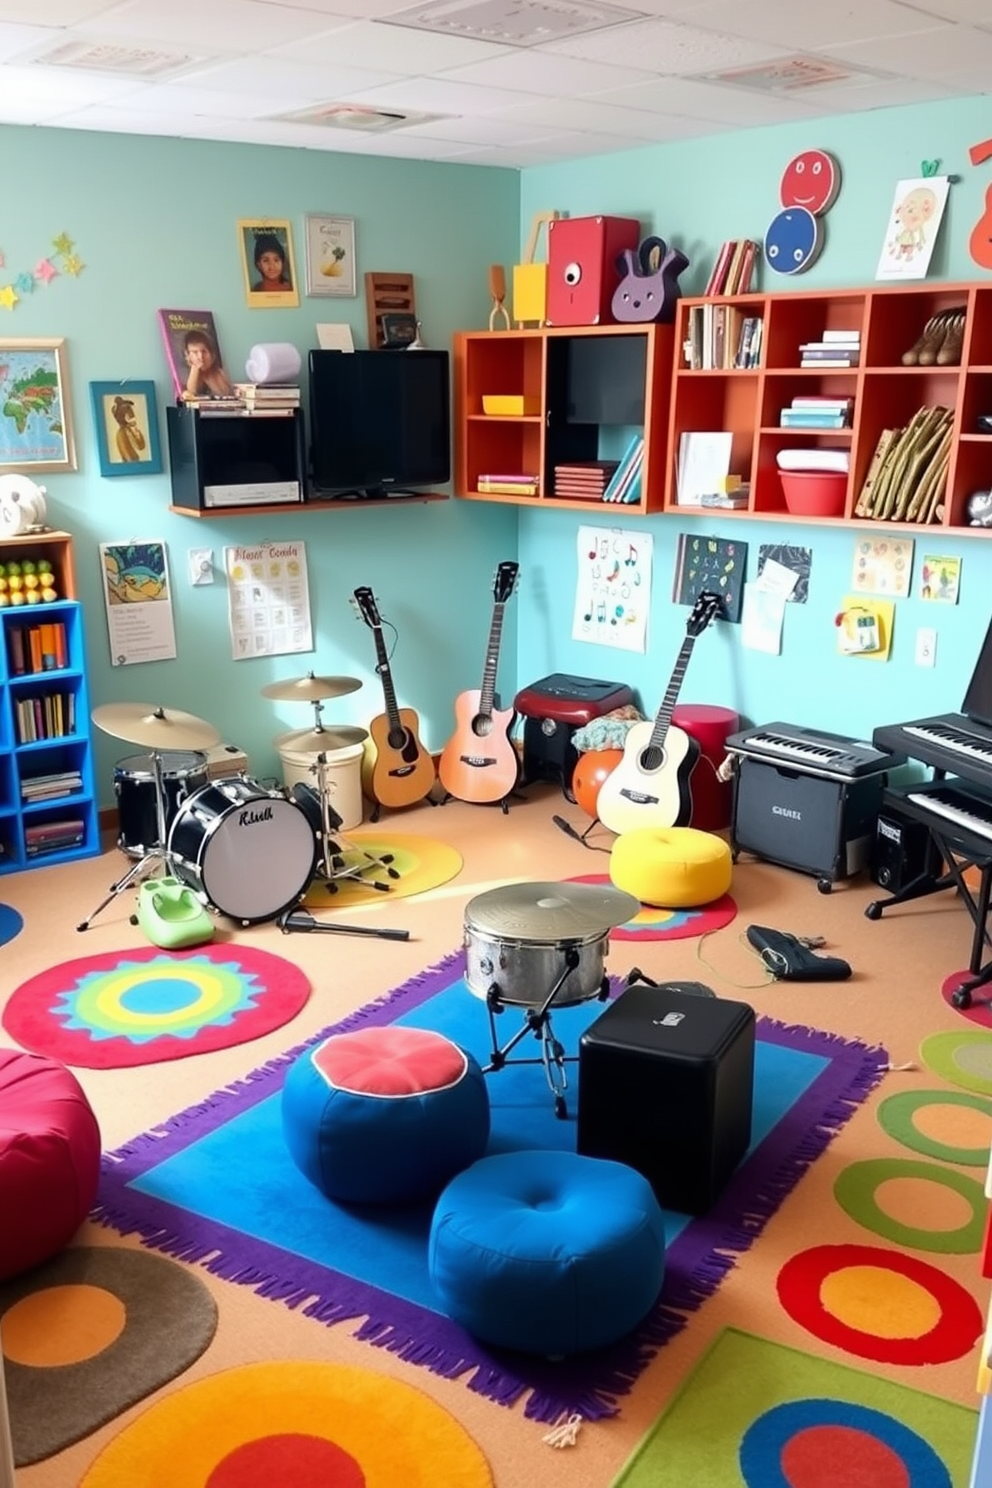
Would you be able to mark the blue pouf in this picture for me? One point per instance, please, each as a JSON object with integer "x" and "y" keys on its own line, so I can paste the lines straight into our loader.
{"x": 547, "y": 1252}
{"x": 384, "y": 1115}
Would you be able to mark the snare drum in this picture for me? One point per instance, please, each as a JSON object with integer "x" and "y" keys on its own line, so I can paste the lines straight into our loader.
{"x": 247, "y": 851}
{"x": 134, "y": 787}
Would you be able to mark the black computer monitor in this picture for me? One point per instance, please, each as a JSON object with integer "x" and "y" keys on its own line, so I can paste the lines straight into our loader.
{"x": 977, "y": 703}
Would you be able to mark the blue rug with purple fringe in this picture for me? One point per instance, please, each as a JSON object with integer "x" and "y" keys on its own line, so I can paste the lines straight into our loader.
{"x": 214, "y": 1186}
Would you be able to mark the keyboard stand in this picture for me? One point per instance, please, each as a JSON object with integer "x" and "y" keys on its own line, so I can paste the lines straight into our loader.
{"x": 956, "y": 859}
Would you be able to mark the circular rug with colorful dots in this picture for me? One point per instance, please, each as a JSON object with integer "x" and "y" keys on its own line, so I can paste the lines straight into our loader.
{"x": 11, "y": 923}
{"x": 90, "y": 1333}
{"x": 147, "y": 1005}
{"x": 654, "y": 923}
{"x": 962, "y": 1057}
{"x": 301, "y": 1423}
{"x": 951, "y": 1125}
{"x": 888, "y": 1195}
{"x": 879, "y": 1304}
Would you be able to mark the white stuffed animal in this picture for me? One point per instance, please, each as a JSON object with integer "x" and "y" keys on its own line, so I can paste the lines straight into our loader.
{"x": 22, "y": 505}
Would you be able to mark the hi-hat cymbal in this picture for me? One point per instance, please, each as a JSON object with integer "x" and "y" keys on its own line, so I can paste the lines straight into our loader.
{"x": 550, "y": 911}
{"x": 322, "y": 740}
{"x": 155, "y": 727}
{"x": 310, "y": 689}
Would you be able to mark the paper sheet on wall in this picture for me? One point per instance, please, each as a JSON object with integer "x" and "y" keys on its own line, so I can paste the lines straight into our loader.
{"x": 268, "y": 600}
{"x": 762, "y": 617}
{"x": 138, "y": 602}
{"x": 613, "y": 588}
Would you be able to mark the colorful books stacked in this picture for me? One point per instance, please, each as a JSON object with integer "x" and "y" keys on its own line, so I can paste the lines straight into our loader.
{"x": 625, "y": 485}
{"x": 817, "y": 413}
{"x": 734, "y": 267}
{"x": 53, "y": 836}
{"x": 268, "y": 400}
{"x": 51, "y": 716}
{"x": 584, "y": 480}
{"x": 49, "y": 787}
{"x": 37, "y": 648}
{"x": 835, "y": 349}
{"x": 513, "y": 484}
{"x": 722, "y": 336}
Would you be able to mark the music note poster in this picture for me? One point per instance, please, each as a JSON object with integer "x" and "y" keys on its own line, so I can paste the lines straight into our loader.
{"x": 613, "y": 588}
{"x": 268, "y": 600}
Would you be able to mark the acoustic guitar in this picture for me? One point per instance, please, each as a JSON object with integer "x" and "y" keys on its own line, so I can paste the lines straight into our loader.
{"x": 396, "y": 769}
{"x": 479, "y": 763}
{"x": 650, "y": 785}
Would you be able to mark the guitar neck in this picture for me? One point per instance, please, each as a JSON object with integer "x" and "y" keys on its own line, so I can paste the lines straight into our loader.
{"x": 664, "y": 719}
{"x": 386, "y": 678}
{"x": 487, "y": 692}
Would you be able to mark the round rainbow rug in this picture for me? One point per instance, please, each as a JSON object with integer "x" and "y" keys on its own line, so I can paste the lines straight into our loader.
{"x": 144, "y": 1006}
{"x": 415, "y": 865}
{"x": 653, "y": 923}
{"x": 307, "y": 1424}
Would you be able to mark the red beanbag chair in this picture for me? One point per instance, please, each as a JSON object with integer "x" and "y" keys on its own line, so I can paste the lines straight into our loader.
{"x": 49, "y": 1159}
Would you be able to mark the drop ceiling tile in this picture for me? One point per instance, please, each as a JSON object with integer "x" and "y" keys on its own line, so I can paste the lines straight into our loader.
{"x": 587, "y": 116}
{"x": 57, "y": 12}
{"x": 392, "y": 48}
{"x": 16, "y": 40}
{"x": 806, "y": 27}
{"x": 949, "y": 51}
{"x": 435, "y": 95}
{"x": 173, "y": 98}
{"x": 973, "y": 12}
{"x": 220, "y": 25}
{"x": 104, "y": 120}
{"x": 669, "y": 46}
{"x": 719, "y": 105}
{"x": 886, "y": 93}
{"x": 539, "y": 71}
{"x": 56, "y": 84}
{"x": 489, "y": 130}
{"x": 272, "y": 76}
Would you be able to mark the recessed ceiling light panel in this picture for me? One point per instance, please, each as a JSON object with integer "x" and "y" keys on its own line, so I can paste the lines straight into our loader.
{"x": 521, "y": 23}
{"x": 789, "y": 75}
{"x": 358, "y": 117}
{"x": 115, "y": 58}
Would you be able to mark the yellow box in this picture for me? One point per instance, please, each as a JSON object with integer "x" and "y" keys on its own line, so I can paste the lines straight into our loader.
{"x": 530, "y": 292}
{"x": 509, "y": 405}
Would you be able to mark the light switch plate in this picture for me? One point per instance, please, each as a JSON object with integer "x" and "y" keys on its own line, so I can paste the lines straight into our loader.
{"x": 926, "y": 647}
{"x": 201, "y": 565}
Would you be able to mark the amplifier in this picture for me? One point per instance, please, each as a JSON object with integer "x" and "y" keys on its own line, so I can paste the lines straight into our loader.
{"x": 823, "y": 825}
{"x": 554, "y": 709}
{"x": 901, "y": 851}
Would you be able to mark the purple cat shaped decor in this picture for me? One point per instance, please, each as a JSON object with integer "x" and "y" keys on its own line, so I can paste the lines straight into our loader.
{"x": 649, "y": 283}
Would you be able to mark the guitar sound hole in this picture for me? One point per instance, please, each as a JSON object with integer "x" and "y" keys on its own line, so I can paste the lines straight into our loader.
{"x": 397, "y": 739}
{"x": 482, "y": 726}
{"x": 652, "y": 759}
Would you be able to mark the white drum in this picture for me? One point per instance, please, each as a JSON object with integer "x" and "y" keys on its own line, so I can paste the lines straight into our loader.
{"x": 247, "y": 851}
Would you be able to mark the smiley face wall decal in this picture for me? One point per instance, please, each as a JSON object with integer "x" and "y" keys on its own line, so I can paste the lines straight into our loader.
{"x": 807, "y": 190}
{"x": 810, "y": 180}
{"x": 793, "y": 241}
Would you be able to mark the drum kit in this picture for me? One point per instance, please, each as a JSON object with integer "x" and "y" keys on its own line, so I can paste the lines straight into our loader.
{"x": 540, "y": 946}
{"x": 246, "y": 850}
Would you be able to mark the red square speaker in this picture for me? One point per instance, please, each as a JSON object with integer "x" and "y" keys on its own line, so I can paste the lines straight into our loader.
{"x": 582, "y": 271}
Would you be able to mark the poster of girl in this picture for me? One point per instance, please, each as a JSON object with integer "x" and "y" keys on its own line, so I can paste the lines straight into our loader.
{"x": 267, "y": 263}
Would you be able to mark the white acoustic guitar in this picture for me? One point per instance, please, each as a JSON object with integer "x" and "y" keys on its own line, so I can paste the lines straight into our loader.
{"x": 650, "y": 785}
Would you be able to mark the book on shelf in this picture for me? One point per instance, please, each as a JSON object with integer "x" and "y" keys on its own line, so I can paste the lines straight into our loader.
{"x": 733, "y": 269}
{"x": 703, "y": 465}
{"x": 511, "y": 484}
{"x": 37, "y": 648}
{"x": 192, "y": 350}
{"x": 621, "y": 483}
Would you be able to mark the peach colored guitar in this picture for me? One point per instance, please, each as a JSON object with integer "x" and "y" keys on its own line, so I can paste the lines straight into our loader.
{"x": 479, "y": 763}
{"x": 397, "y": 770}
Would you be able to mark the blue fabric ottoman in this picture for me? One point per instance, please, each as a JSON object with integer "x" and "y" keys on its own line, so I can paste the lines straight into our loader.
{"x": 384, "y": 1115}
{"x": 547, "y": 1252}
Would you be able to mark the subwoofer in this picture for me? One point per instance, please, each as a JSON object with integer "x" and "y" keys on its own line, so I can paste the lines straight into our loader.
{"x": 901, "y": 851}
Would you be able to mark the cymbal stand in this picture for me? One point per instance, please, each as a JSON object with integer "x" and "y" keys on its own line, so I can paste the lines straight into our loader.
{"x": 155, "y": 854}
{"x": 341, "y": 858}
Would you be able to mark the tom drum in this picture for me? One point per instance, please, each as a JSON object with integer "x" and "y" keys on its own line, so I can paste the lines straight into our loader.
{"x": 248, "y": 851}
{"x": 134, "y": 787}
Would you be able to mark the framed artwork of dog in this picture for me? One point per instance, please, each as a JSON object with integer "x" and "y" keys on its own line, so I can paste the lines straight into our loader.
{"x": 126, "y": 422}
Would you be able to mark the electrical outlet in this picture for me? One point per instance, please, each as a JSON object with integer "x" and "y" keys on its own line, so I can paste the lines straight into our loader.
{"x": 926, "y": 647}
{"x": 201, "y": 565}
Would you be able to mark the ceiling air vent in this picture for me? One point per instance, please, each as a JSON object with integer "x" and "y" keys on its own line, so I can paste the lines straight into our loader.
{"x": 521, "y": 23}
{"x": 790, "y": 75}
{"x": 109, "y": 56}
{"x": 358, "y": 116}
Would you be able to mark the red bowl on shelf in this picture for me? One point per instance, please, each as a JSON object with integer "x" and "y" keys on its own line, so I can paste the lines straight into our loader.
{"x": 814, "y": 493}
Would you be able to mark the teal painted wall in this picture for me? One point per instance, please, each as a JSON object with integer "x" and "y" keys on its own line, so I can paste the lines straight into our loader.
{"x": 695, "y": 194}
{"x": 154, "y": 222}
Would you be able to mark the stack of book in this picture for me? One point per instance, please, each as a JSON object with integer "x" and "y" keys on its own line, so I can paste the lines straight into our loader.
{"x": 216, "y": 406}
{"x": 624, "y": 488}
{"x": 584, "y": 480}
{"x": 37, "y": 648}
{"x": 271, "y": 400}
{"x": 50, "y": 787}
{"x": 835, "y": 349}
{"x": 513, "y": 484}
{"x": 817, "y": 413}
{"x": 50, "y": 716}
{"x": 721, "y": 337}
{"x": 734, "y": 268}
{"x": 53, "y": 836}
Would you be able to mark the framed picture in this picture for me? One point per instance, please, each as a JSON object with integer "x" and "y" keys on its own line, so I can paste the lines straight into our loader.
{"x": 126, "y": 423}
{"x": 35, "y": 416}
{"x": 267, "y": 263}
{"x": 331, "y": 256}
{"x": 399, "y": 328}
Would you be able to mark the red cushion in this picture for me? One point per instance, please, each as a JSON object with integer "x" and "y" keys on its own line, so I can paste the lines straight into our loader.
{"x": 49, "y": 1159}
{"x": 390, "y": 1061}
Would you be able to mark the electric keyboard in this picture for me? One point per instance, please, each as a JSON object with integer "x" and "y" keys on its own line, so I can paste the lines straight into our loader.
{"x": 960, "y": 808}
{"x": 813, "y": 751}
{"x": 950, "y": 743}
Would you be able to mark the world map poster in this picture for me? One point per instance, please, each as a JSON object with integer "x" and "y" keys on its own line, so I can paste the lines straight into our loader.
{"x": 34, "y": 424}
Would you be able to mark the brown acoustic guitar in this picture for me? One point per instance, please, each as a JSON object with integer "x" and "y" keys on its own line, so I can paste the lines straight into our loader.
{"x": 396, "y": 770}
{"x": 479, "y": 763}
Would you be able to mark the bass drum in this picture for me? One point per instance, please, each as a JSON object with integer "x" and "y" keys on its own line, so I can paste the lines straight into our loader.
{"x": 247, "y": 851}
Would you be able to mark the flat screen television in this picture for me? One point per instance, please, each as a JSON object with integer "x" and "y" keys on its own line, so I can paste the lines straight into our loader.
{"x": 380, "y": 422}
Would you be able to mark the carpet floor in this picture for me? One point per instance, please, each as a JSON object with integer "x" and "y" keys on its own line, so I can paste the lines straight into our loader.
{"x": 870, "y": 1264}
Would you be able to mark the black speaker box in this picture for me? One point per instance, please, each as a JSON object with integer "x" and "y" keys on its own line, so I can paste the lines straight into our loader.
{"x": 549, "y": 753}
{"x": 666, "y": 1081}
{"x": 900, "y": 852}
{"x": 818, "y": 824}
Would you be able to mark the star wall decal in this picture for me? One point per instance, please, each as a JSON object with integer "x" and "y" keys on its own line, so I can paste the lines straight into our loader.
{"x": 72, "y": 264}
{"x": 62, "y": 260}
{"x": 24, "y": 284}
{"x": 63, "y": 244}
{"x": 8, "y": 299}
{"x": 45, "y": 270}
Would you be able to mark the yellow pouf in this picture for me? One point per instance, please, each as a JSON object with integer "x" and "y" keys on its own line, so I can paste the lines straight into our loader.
{"x": 672, "y": 867}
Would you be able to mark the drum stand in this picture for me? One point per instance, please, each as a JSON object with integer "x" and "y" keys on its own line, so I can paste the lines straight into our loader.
{"x": 154, "y": 855}
{"x": 538, "y": 1022}
{"x": 340, "y": 859}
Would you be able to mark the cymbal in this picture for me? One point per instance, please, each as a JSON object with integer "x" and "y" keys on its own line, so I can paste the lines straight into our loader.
{"x": 550, "y": 911}
{"x": 311, "y": 689}
{"x": 155, "y": 727}
{"x": 321, "y": 740}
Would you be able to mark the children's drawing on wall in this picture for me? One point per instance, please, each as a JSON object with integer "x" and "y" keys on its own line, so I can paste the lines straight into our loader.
{"x": 712, "y": 563}
{"x": 613, "y": 588}
{"x": 138, "y": 602}
{"x": 940, "y": 578}
{"x": 883, "y": 565}
{"x": 917, "y": 210}
{"x": 268, "y": 600}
